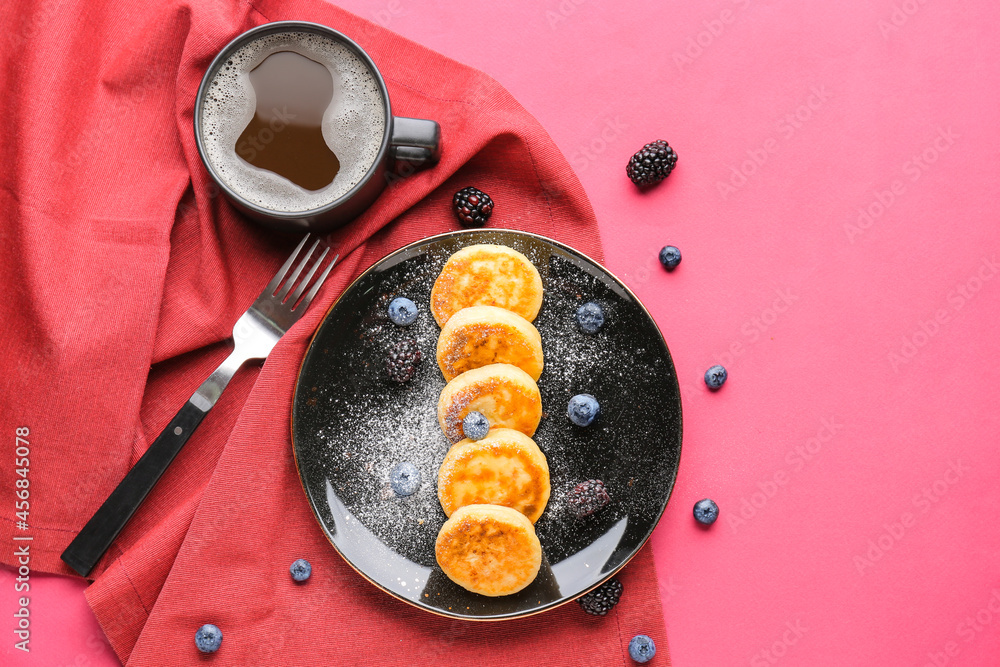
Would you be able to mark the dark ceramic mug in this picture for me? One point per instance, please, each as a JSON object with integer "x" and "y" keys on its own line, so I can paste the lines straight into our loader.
{"x": 405, "y": 142}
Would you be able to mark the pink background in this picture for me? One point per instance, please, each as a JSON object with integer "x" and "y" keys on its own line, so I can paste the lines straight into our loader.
{"x": 853, "y": 451}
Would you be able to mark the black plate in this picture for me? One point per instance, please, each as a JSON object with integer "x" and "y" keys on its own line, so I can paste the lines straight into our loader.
{"x": 351, "y": 425}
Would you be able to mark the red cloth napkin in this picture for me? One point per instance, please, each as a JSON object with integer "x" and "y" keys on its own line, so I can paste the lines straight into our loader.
{"x": 125, "y": 272}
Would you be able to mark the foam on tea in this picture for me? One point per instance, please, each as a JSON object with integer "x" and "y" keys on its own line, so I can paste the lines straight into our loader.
{"x": 352, "y": 125}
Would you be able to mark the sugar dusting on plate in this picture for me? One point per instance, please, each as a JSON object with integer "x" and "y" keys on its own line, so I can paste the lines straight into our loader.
{"x": 367, "y": 423}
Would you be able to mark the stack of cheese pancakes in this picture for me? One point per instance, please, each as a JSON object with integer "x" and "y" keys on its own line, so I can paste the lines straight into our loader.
{"x": 495, "y": 488}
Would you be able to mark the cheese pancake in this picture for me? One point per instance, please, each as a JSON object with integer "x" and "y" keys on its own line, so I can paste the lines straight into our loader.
{"x": 487, "y": 275}
{"x": 504, "y": 394}
{"x": 504, "y": 468}
{"x": 482, "y": 335}
{"x": 489, "y": 550}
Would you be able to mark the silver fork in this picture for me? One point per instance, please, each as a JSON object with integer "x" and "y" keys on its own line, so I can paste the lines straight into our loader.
{"x": 254, "y": 336}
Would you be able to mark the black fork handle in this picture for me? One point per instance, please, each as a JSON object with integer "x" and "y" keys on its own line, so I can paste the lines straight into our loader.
{"x": 96, "y": 537}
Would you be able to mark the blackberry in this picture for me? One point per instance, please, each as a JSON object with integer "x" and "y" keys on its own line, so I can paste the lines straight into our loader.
{"x": 403, "y": 360}
{"x": 651, "y": 164}
{"x": 588, "y": 497}
{"x": 472, "y": 207}
{"x": 602, "y": 599}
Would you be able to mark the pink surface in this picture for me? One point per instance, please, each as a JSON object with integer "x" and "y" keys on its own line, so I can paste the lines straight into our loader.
{"x": 63, "y": 630}
{"x": 837, "y": 162}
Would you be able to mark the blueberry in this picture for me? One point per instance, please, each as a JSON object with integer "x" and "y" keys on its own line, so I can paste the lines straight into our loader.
{"x": 590, "y": 317}
{"x": 641, "y": 648}
{"x": 405, "y": 479}
{"x": 715, "y": 377}
{"x": 706, "y": 511}
{"x": 583, "y": 409}
{"x": 670, "y": 257}
{"x": 208, "y": 639}
{"x": 402, "y": 311}
{"x": 301, "y": 569}
{"x": 475, "y": 425}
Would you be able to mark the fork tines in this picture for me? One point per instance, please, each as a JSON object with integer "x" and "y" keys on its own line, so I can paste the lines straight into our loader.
{"x": 292, "y": 302}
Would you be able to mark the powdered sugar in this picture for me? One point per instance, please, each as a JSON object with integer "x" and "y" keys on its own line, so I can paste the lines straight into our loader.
{"x": 366, "y": 424}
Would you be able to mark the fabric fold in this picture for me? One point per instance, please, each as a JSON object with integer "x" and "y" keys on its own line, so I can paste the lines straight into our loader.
{"x": 162, "y": 266}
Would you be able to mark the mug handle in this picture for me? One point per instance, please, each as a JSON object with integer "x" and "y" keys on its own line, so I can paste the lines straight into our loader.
{"x": 415, "y": 141}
